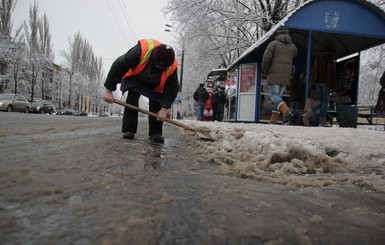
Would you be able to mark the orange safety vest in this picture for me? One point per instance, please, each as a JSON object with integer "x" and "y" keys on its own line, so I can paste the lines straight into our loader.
{"x": 147, "y": 46}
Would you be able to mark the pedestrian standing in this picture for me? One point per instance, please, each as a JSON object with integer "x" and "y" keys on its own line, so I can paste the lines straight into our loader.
{"x": 380, "y": 105}
{"x": 324, "y": 78}
{"x": 149, "y": 69}
{"x": 200, "y": 96}
{"x": 215, "y": 101}
{"x": 277, "y": 65}
{"x": 222, "y": 99}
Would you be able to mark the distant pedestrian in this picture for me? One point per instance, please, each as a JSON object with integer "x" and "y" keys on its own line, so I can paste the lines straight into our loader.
{"x": 324, "y": 78}
{"x": 222, "y": 99}
{"x": 200, "y": 96}
{"x": 277, "y": 65}
{"x": 215, "y": 101}
{"x": 380, "y": 105}
{"x": 382, "y": 80}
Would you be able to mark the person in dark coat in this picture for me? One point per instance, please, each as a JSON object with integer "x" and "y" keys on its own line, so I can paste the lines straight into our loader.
{"x": 215, "y": 101}
{"x": 382, "y": 80}
{"x": 277, "y": 62}
{"x": 324, "y": 78}
{"x": 200, "y": 96}
{"x": 297, "y": 91}
{"x": 149, "y": 69}
{"x": 222, "y": 99}
{"x": 380, "y": 105}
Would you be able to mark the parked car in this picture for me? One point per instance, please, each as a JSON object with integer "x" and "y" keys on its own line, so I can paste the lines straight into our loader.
{"x": 14, "y": 102}
{"x": 104, "y": 114}
{"x": 42, "y": 106}
{"x": 81, "y": 113}
{"x": 65, "y": 111}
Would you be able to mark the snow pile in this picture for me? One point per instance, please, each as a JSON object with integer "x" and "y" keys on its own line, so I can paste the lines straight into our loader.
{"x": 295, "y": 156}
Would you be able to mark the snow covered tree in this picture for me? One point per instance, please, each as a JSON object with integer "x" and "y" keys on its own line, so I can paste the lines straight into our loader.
{"x": 40, "y": 56}
{"x": 31, "y": 30}
{"x": 45, "y": 47}
{"x": 85, "y": 73}
{"x": 371, "y": 69}
{"x": 216, "y": 32}
{"x": 6, "y": 43}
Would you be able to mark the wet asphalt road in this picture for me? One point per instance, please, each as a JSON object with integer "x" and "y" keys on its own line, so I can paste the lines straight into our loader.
{"x": 74, "y": 180}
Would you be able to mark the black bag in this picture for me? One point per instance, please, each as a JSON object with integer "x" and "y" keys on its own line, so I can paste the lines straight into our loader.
{"x": 347, "y": 116}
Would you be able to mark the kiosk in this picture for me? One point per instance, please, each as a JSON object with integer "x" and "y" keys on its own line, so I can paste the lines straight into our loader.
{"x": 346, "y": 21}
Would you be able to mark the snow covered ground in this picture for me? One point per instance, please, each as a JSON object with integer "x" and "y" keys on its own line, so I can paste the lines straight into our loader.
{"x": 295, "y": 155}
{"x": 75, "y": 180}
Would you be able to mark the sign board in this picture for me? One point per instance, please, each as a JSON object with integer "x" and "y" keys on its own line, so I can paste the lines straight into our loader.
{"x": 247, "y": 92}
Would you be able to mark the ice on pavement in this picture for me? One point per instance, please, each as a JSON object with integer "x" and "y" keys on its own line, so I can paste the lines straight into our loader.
{"x": 295, "y": 155}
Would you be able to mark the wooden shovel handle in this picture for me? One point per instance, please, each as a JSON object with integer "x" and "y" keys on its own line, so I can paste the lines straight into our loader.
{"x": 152, "y": 114}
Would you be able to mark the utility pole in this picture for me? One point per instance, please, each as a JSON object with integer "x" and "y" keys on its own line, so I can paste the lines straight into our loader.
{"x": 173, "y": 29}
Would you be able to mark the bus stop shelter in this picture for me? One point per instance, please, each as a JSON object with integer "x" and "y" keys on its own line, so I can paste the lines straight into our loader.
{"x": 356, "y": 25}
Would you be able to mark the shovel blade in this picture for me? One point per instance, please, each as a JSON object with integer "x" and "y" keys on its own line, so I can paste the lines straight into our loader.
{"x": 204, "y": 137}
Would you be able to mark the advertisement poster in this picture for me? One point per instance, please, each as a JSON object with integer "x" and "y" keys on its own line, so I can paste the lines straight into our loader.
{"x": 247, "y": 92}
{"x": 248, "y": 78}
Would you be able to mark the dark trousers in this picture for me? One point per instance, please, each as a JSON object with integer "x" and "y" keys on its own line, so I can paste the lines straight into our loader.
{"x": 220, "y": 112}
{"x": 215, "y": 111}
{"x": 130, "y": 116}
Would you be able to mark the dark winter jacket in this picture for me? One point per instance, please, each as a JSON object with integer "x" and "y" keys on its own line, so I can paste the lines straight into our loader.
{"x": 324, "y": 70}
{"x": 277, "y": 60}
{"x": 382, "y": 80}
{"x": 219, "y": 97}
{"x": 380, "y": 106}
{"x": 214, "y": 97}
{"x": 201, "y": 94}
{"x": 145, "y": 82}
{"x": 324, "y": 67}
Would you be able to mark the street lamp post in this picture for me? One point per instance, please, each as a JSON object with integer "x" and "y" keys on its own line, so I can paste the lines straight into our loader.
{"x": 181, "y": 71}
{"x": 182, "y": 61}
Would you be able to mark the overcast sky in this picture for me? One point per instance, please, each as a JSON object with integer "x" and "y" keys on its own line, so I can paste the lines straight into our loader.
{"x": 111, "y": 26}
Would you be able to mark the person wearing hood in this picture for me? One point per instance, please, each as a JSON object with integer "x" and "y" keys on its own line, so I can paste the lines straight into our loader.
{"x": 200, "y": 96}
{"x": 277, "y": 62}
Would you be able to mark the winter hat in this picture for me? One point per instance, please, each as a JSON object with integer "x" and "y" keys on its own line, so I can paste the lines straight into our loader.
{"x": 282, "y": 30}
{"x": 163, "y": 55}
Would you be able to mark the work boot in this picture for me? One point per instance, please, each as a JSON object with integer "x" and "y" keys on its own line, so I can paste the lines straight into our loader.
{"x": 274, "y": 117}
{"x": 306, "y": 117}
{"x": 286, "y": 111}
{"x": 128, "y": 135}
{"x": 157, "y": 138}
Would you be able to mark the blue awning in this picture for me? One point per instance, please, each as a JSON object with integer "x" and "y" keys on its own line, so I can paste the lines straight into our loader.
{"x": 356, "y": 25}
